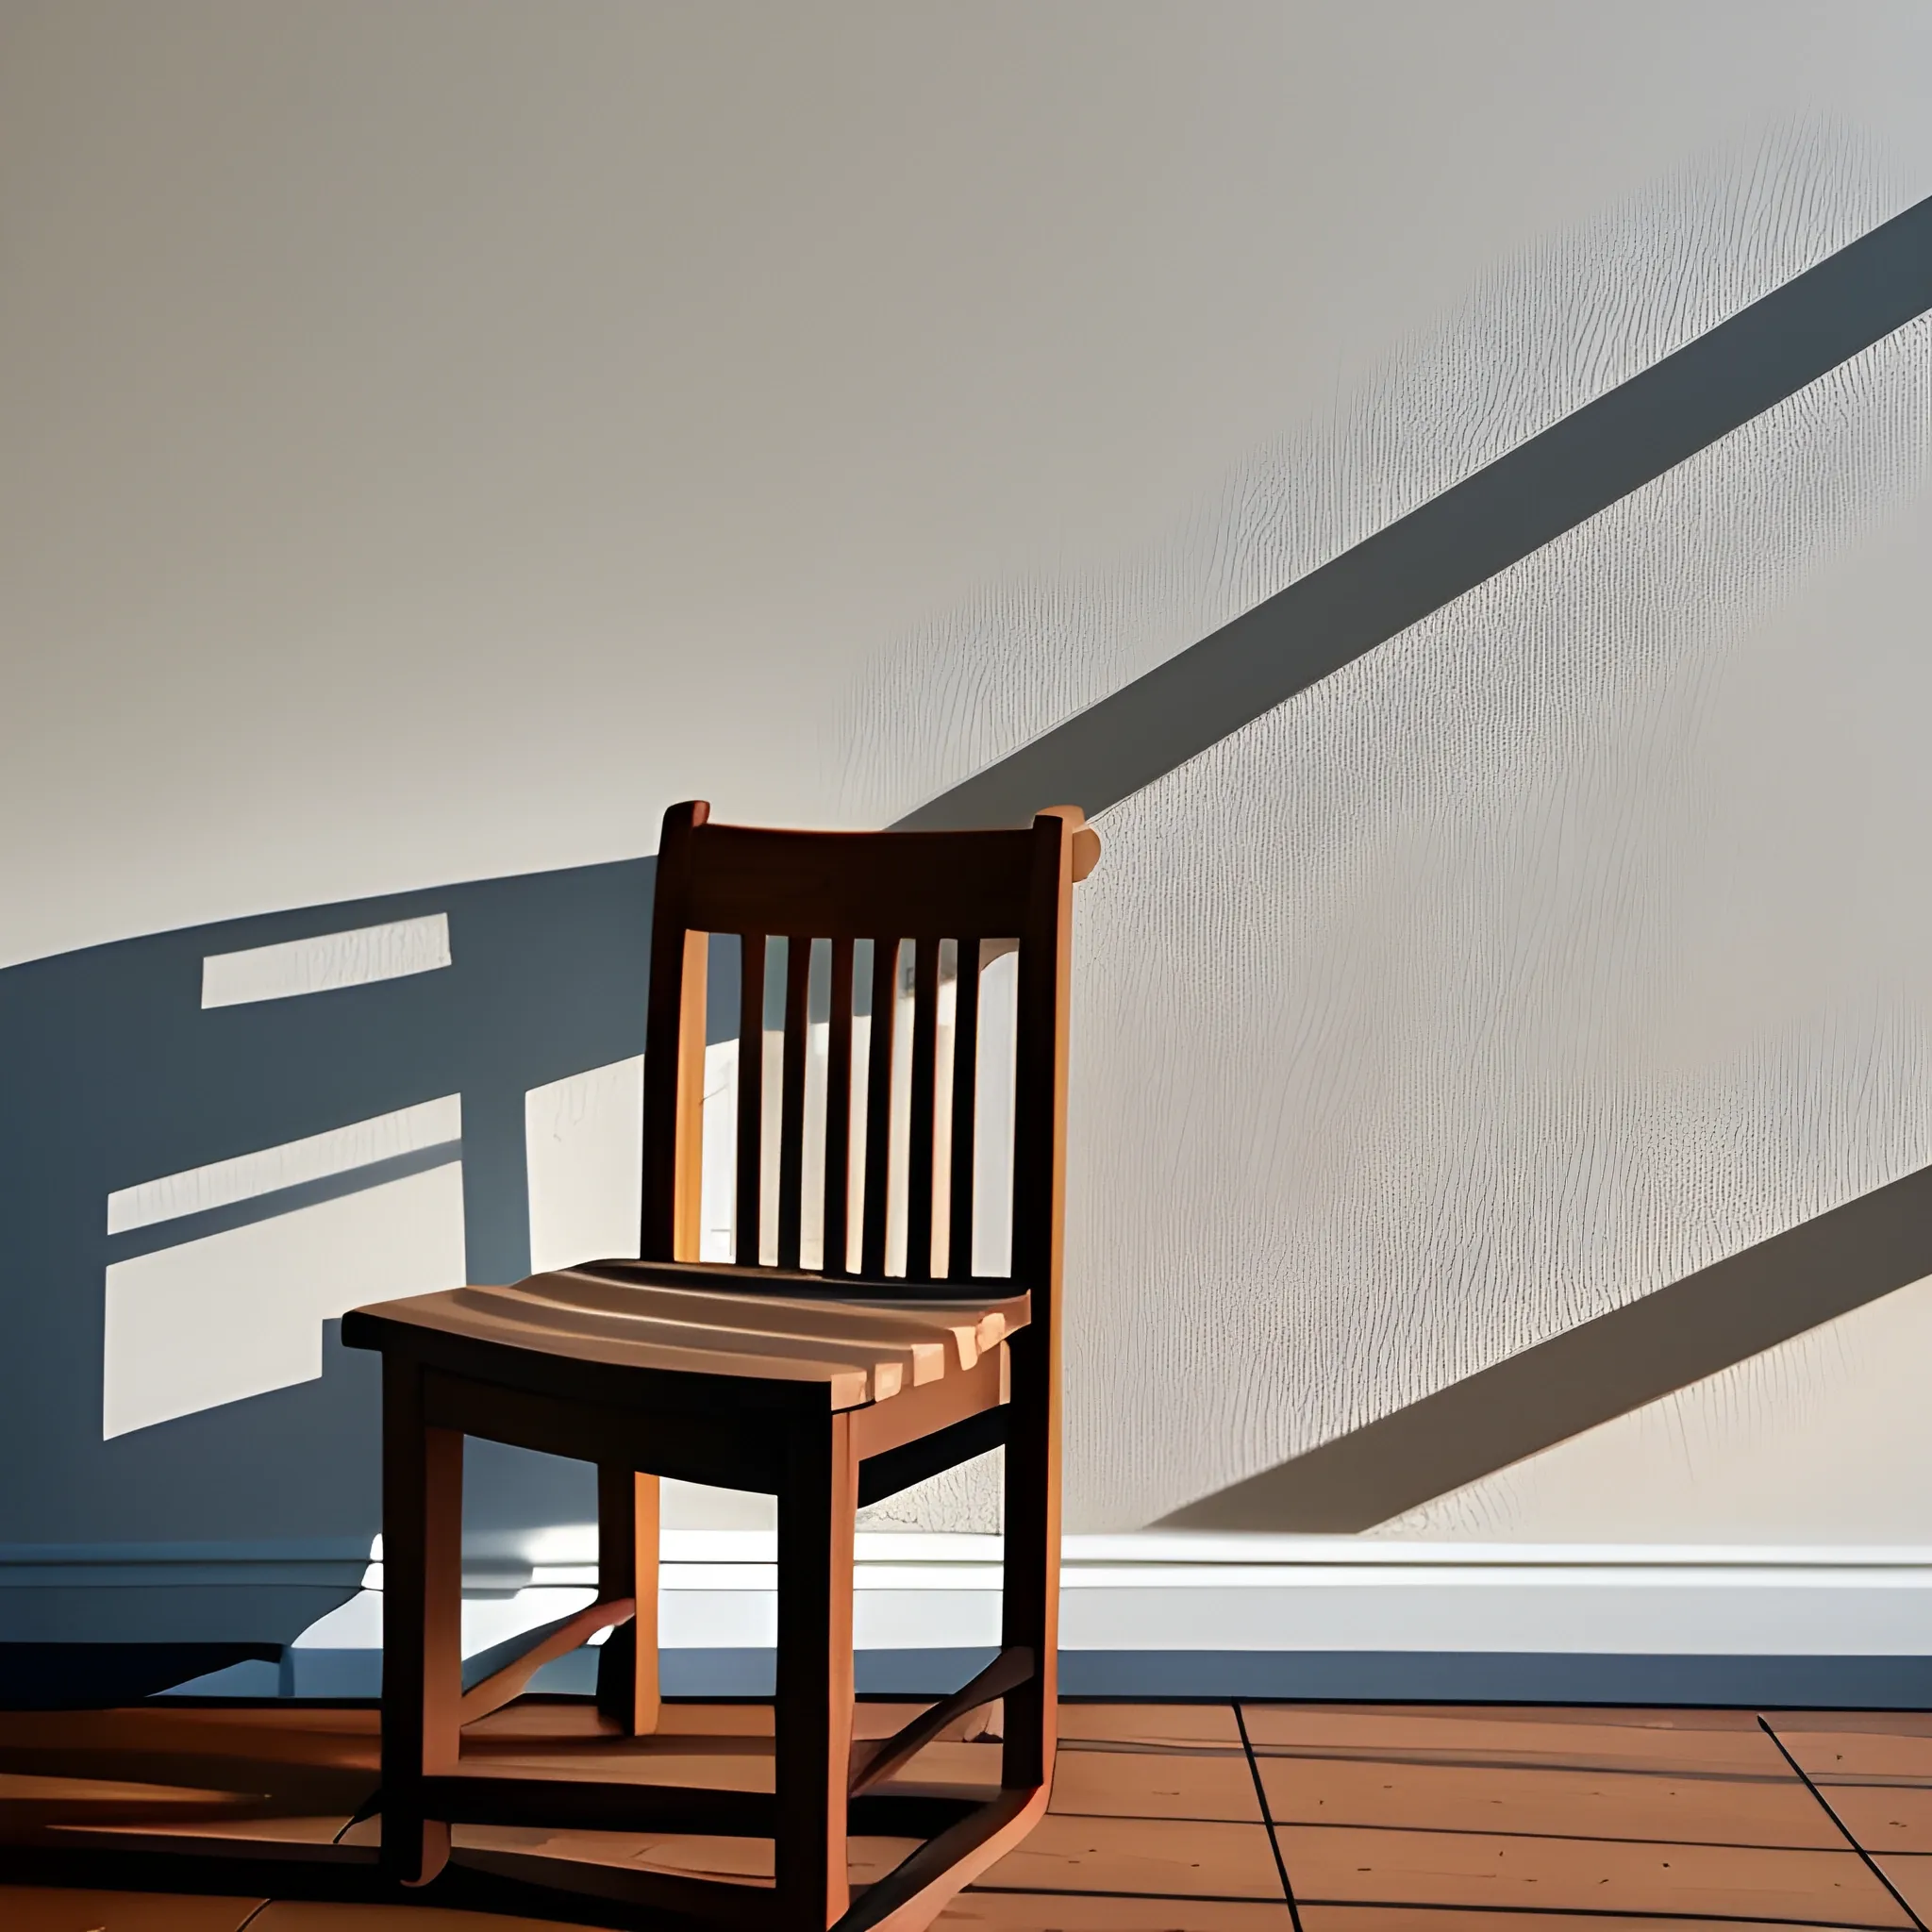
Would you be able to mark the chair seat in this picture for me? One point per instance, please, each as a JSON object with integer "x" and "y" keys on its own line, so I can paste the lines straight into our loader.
{"x": 866, "y": 1340}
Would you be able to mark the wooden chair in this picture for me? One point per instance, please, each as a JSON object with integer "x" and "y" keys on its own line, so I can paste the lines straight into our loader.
{"x": 827, "y": 1388}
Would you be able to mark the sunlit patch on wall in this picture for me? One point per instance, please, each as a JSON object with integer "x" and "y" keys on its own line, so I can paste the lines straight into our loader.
{"x": 225, "y": 1273}
{"x": 294, "y": 1164}
{"x": 327, "y": 962}
{"x": 583, "y": 1139}
{"x": 240, "y": 1312}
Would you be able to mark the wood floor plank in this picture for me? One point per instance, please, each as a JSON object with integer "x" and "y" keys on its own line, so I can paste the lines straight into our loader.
{"x": 1889, "y": 1747}
{"x": 1025, "y": 1911}
{"x": 44, "y": 1908}
{"x": 1547, "y": 1801}
{"x": 20, "y": 1788}
{"x": 1901, "y": 1723}
{"x": 949, "y": 1762}
{"x": 1161, "y": 1858}
{"x": 1202, "y": 1783}
{"x": 1432, "y": 1919}
{"x": 33, "y": 1806}
{"x": 645, "y": 1760}
{"x": 1913, "y": 1877}
{"x": 302, "y": 1915}
{"x": 556, "y": 1721}
{"x": 1340, "y": 1866}
{"x": 112, "y": 1743}
{"x": 1884, "y": 1818}
{"x": 687, "y": 1854}
{"x": 1718, "y": 1742}
{"x": 1164, "y": 1726}
{"x": 226, "y": 1832}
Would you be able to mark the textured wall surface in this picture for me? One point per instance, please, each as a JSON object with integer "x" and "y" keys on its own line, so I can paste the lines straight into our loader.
{"x": 1822, "y": 1439}
{"x": 1553, "y": 950}
{"x": 438, "y": 437}
{"x": 433, "y": 440}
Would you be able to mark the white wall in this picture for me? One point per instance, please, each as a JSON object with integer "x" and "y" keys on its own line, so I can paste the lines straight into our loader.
{"x": 436, "y": 436}
{"x": 432, "y": 437}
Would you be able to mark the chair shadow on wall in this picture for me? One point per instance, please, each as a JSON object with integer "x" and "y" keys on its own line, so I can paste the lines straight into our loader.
{"x": 251, "y": 1450}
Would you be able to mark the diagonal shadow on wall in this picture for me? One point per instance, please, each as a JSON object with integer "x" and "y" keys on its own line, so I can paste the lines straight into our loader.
{"x": 1719, "y": 1316}
{"x": 1589, "y": 459}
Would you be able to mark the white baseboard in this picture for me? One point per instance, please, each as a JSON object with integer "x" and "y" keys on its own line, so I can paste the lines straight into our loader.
{"x": 1172, "y": 1591}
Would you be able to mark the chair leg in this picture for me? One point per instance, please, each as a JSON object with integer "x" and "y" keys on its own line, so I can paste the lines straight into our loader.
{"x": 813, "y": 1704}
{"x": 1031, "y": 1606}
{"x": 421, "y": 1621}
{"x": 627, "y": 1566}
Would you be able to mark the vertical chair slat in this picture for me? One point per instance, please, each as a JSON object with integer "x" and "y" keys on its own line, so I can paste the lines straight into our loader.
{"x": 965, "y": 1100}
{"x": 751, "y": 1095}
{"x": 669, "y": 1021}
{"x": 919, "y": 1176}
{"x": 792, "y": 1101}
{"x": 839, "y": 1110}
{"x": 687, "y": 1232}
{"x": 878, "y": 1104}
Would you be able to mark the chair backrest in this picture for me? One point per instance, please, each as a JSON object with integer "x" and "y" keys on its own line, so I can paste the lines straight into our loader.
{"x": 945, "y": 905}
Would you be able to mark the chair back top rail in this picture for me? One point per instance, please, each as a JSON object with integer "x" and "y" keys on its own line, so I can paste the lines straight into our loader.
{"x": 853, "y": 885}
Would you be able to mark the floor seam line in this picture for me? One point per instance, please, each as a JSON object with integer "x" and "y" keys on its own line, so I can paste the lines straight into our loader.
{"x": 1872, "y": 1864}
{"x": 1267, "y": 1816}
{"x": 1417, "y": 1761}
{"x": 1542, "y": 1911}
{"x": 1205, "y": 1898}
{"x": 1557, "y": 1838}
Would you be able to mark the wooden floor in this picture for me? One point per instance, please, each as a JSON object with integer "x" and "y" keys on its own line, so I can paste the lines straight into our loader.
{"x": 1165, "y": 1818}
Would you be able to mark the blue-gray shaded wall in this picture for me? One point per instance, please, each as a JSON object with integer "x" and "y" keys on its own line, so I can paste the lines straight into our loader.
{"x": 115, "y": 1075}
